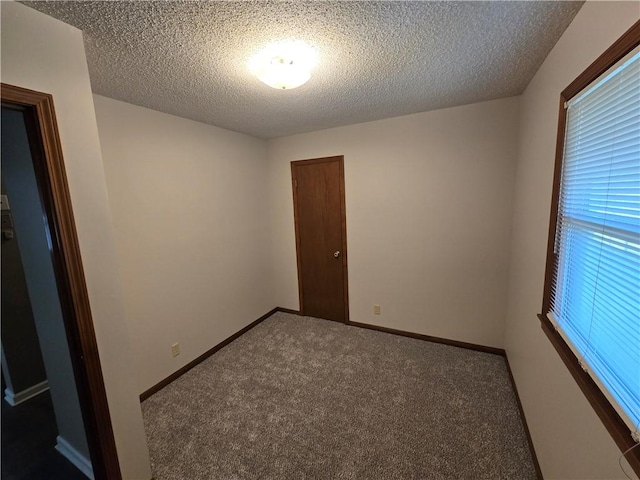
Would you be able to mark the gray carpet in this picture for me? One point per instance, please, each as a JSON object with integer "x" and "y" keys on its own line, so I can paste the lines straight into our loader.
{"x": 302, "y": 398}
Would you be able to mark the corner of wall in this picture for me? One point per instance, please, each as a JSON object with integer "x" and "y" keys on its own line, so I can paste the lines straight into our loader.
{"x": 569, "y": 438}
{"x": 44, "y": 54}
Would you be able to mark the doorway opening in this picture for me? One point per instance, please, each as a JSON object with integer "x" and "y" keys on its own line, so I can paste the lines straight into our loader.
{"x": 37, "y": 222}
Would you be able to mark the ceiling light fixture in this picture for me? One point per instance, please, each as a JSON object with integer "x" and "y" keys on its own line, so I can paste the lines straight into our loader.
{"x": 284, "y": 65}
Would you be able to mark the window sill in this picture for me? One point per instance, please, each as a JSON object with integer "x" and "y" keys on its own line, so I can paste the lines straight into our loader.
{"x": 608, "y": 415}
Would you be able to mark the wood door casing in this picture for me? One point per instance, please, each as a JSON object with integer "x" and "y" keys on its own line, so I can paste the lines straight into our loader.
{"x": 320, "y": 223}
{"x": 51, "y": 177}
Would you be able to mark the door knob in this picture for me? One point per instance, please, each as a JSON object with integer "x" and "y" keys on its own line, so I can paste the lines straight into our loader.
{"x": 336, "y": 254}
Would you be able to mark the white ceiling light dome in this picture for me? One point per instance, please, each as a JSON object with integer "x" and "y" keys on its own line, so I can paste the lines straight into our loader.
{"x": 284, "y": 65}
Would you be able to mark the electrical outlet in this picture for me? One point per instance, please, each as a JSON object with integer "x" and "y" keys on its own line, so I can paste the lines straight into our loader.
{"x": 175, "y": 349}
{"x": 376, "y": 309}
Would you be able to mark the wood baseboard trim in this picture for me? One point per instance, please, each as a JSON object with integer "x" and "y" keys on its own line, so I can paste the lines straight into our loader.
{"x": 429, "y": 338}
{"x": 419, "y": 336}
{"x": 469, "y": 346}
{"x": 288, "y": 310}
{"x": 524, "y": 421}
{"x": 181, "y": 371}
{"x": 455, "y": 343}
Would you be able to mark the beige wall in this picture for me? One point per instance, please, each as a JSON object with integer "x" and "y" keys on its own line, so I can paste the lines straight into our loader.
{"x": 570, "y": 440}
{"x": 191, "y": 222}
{"x": 44, "y": 54}
{"x": 428, "y": 200}
{"x": 205, "y": 240}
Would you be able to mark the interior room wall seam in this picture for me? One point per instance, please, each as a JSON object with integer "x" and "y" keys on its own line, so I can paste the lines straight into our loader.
{"x": 399, "y": 175}
{"x": 192, "y": 230}
{"x": 570, "y": 440}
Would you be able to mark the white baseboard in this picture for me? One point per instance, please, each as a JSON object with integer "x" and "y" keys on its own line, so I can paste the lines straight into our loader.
{"x": 74, "y": 456}
{"x": 15, "y": 398}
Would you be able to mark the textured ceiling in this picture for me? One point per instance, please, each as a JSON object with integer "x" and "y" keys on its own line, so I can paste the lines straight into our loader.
{"x": 376, "y": 59}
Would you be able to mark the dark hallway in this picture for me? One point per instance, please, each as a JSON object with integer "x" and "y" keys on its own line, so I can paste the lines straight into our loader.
{"x": 37, "y": 442}
{"x": 28, "y": 441}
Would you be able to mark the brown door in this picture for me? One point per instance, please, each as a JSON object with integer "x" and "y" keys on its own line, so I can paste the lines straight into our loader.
{"x": 321, "y": 240}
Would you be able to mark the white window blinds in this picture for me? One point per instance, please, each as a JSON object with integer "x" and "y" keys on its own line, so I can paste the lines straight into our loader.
{"x": 595, "y": 298}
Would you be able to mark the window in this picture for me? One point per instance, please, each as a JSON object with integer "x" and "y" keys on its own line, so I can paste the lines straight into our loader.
{"x": 591, "y": 309}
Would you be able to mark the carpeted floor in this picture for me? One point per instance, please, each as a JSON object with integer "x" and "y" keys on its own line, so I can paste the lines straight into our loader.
{"x": 302, "y": 398}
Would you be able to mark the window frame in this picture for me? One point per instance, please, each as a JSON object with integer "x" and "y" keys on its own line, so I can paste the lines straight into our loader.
{"x": 614, "y": 424}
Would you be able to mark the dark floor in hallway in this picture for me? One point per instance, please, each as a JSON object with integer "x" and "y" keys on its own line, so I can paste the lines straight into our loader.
{"x": 28, "y": 440}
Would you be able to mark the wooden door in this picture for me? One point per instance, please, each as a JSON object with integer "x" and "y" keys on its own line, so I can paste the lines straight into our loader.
{"x": 321, "y": 240}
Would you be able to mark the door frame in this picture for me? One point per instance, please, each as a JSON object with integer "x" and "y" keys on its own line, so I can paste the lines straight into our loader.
{"x": 51, "y": 178}
{"x": 343, "y": 222}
